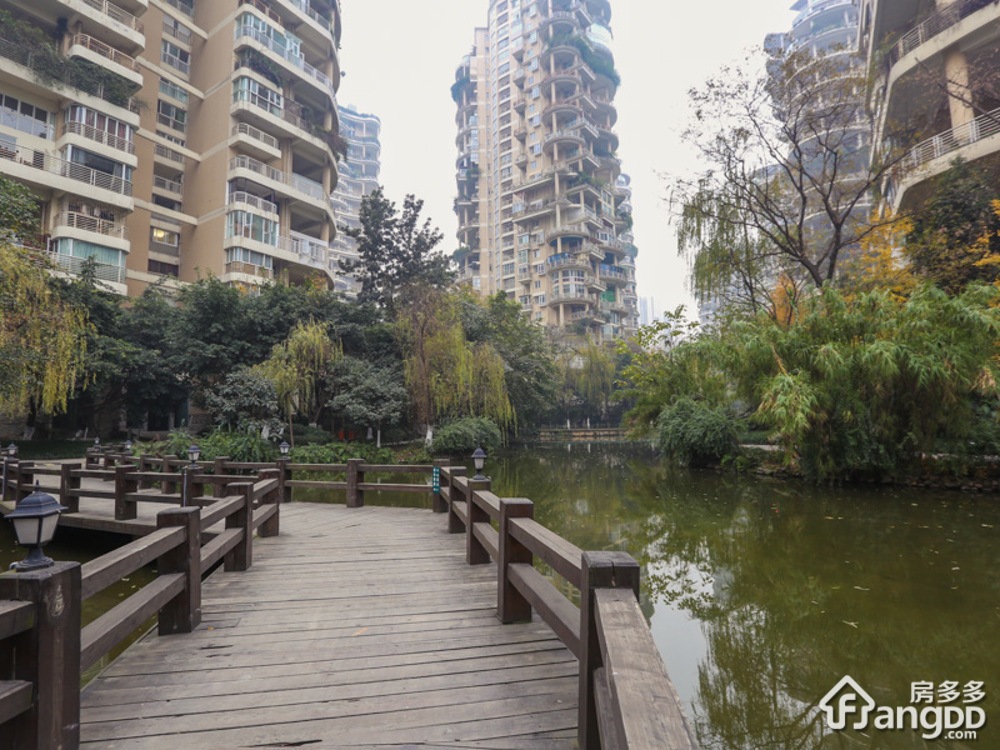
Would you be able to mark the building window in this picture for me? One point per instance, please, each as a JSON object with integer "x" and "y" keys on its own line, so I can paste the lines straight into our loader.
{"x": 165, "y": 237}
{"x": 173, "y": 91}
{"x": 162, "y": 269}
{"x": 242, "y": 255}
{"x": 171, "y": 116}
{"x": 103, "y": 124}
{"x": 175, "y": 57}
{"x": 25, "y": 117}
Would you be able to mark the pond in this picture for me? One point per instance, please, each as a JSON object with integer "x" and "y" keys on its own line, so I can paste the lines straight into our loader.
{"x": 763, "y": 594}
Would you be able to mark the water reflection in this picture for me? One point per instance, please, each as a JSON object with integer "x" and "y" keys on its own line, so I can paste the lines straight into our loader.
{"x": 765, "y": 593}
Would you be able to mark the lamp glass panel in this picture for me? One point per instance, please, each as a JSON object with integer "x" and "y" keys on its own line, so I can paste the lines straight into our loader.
{"x": 49, "y": 524}
{"x": 27, "y": 531}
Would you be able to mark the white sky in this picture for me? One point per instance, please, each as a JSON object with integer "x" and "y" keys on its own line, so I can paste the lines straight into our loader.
{"x": 400, "y": 56}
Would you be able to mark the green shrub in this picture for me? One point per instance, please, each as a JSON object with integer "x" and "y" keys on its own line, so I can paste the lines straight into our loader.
{"x": 463, "y": 436}
{"x": 312, "y": 436}
{"x": 338, "y": 453}
{"x": 694, "y": 433}
{"x": 238, "y": 446}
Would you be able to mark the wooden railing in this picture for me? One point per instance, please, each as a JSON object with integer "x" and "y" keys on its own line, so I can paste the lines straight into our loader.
{"x": 626, "y": 698}
{"x": 43, "y": 648}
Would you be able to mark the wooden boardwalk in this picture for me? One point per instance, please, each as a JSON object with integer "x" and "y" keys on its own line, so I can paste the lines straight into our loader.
{"x": 356, "y": 627}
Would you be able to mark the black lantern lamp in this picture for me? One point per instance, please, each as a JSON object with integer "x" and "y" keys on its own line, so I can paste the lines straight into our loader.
{"x": 479, "y": 461}
{"x": 128, "y": 447}
{"x": 97, "y": 441}
{"x": 193, "y": 453}
{"x": 11, "y": 451}
{"x": 284, "y": 447}
{"x": 35, "y": 519}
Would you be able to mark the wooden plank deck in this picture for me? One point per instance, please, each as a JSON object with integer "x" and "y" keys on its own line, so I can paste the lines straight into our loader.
{"x": 355, "y": 628}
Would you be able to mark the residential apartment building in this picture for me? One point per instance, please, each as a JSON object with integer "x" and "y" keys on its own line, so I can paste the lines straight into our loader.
{"x": 542, "y": 215}
{"x": 358, "y": 177}
{"x": 171, "y": 140}
{"x": 937, "y": 77}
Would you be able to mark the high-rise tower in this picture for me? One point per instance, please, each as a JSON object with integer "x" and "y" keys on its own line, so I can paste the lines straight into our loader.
{"x": 172, "y": 140}
{"x": 542, "y": 216}
{"x": 358, "y": 177}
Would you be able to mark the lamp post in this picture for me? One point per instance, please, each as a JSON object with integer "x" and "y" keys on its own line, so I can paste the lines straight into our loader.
{"x": 479, "y": 461}
{"x": 128, "y": 447}
{"x": 193, "y": 453}
{"x": 35, "y": 519}
{"x": 284, "y": 447}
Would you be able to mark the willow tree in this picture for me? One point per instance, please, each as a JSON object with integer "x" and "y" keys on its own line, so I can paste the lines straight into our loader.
{"x": 42, "y": 338}
{"x": 299, "y": 369}
{"x": 447, "y": 376}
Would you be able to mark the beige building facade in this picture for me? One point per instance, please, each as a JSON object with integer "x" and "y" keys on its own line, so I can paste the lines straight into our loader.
{"x": 936, "y": 66}
{"x": 544, "y": 216}
{"x": 210, "y": 150}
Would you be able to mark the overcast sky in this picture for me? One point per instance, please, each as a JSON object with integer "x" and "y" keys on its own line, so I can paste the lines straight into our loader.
{"x": 400, "y": 56}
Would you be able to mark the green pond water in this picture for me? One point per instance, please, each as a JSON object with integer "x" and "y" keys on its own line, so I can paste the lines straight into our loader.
{"x": 763, "y": 594}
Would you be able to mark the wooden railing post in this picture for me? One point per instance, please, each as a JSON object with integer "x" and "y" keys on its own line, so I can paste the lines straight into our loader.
{"x": 167, "y": 486}
{"x": 241, "y": 556}
{"x": 284, "y": 477}
{"x": 355, "y": 497}
{"x": 47, "y": 655}
{"x": 438, "y": 503}
{"x": 219, "y": 465}
{"x": 455, "y": 525}
{"x": 182, "y": 614}
{"x": 598, "y": 570}
{"x": 25, "y": 483}
{"x": 144, "y": 466}
{"x": 511, "y": 604}
{"x": 125, "y": 484}
{"x": 69, "y": 486}
{"x": 271, "y": 526}
{"x": 475, "y": 552}
{"x": 10, "y": 483}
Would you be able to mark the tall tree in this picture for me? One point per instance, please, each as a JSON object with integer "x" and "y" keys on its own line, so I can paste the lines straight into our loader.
{"x": 395, "y": 249}
{"x": 788, "y": 173}
{"x": 42, "y": 337}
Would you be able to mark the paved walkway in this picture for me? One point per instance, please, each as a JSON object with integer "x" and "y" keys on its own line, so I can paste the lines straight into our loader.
{"x": 359, "y": 628}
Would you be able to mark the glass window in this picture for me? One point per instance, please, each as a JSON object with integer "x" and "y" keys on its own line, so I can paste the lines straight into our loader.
{"x": 165, "y": 236}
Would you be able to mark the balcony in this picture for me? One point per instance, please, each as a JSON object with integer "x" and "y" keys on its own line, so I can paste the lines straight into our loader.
{"x": 184, "y": 6}
{"x": 101, "y": 136}
{"x": 249, "y": 269}
{"x": 116, "y": 13}
{"x": 309, "y": 188}
{"x": 87, "y": 223}
{"x": 256, "y": 140}
{"x": 558, "y": 262}
{"x": 170, "y": 186}
{"x": 54, "y": 165}
{"x": 613, "y": 273}
{"x": 22, "y": 55}
{"x": 103, "y": 271}
{"x": 168, "y": 153}
{"x": 249, "y": 199}
{"x": 266, "y": 112}
{"x": 564, "y": 297}
{"x": 128, "y": 67}
{"x": 321, "y": 80}
{"x": 940, "y": 21}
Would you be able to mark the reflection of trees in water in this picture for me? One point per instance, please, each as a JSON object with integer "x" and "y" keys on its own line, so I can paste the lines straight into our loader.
{"x": 794, "y": 585}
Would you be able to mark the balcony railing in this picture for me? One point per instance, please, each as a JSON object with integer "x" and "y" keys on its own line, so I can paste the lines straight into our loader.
{"x": 169, "y": 185}
{"x": 168, "y": 153}
{"x": 55, "y": 165}
{"x": 115, "y": 12}
{"x": 282, "y": 51}
{"x": 106, "y": 50}
{"x": 249, "y": 269}
{"x": 175, "y": 62}
{"x": 951, "y": 140}
{"x": 249, "y": 199}
{"x": 310, "y": 187}
{"x": 184, "y": 6}
{"x": 258, "y": 135}
{"x": 286, "y": 113}
{"x": 101, "y": 136}
{"x": 102, "y": 271}
{"x": 92, "y": 224}
{"x": 22, "y": 55}
{"x": 939, "y": 21}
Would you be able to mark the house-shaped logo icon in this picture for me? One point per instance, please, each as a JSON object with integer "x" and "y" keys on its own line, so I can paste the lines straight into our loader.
{"x": 847, "y": 699}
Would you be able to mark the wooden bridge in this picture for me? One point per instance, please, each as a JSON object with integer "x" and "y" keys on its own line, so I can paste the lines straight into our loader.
{"x": 356, "y": 626}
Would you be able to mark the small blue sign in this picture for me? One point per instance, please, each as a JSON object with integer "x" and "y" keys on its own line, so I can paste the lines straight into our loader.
{"x": 436, "y": 478}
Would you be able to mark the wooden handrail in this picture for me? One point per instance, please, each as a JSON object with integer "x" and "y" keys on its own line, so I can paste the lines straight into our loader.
{"x": 107, "y": 569}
